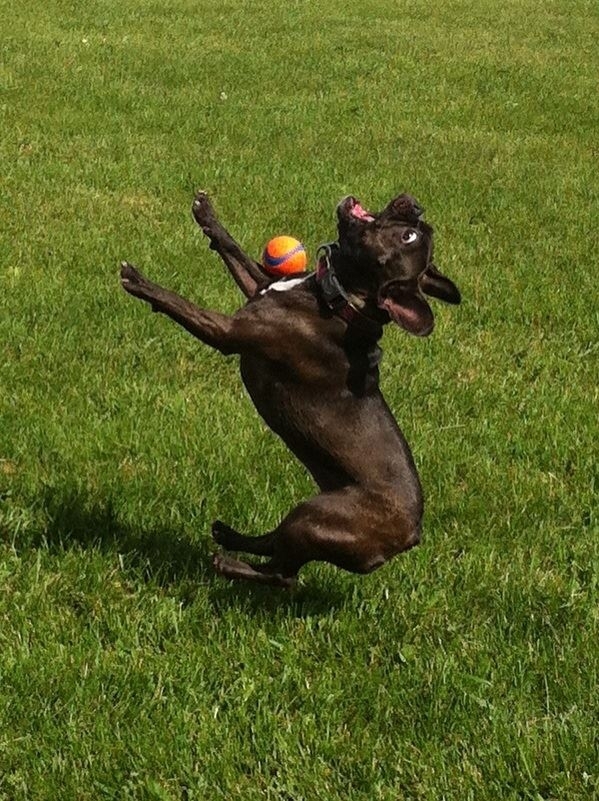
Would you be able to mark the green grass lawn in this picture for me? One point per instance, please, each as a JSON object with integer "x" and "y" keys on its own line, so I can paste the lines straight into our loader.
{"x": 465, "y": 670}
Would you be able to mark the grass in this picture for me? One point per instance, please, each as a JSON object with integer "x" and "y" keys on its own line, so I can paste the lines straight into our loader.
{"x": 467, "y": 669}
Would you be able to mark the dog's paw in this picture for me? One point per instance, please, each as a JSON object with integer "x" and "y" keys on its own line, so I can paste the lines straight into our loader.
{"x": 230, "y": 568}
{"x": 223, "y": 534}
{"x": 134, "y": 282}
{"x": 130, "y": 277}
{"x": 218, "y": 562}
{"x": 235, "y": 570}
{"x": 203, "y": 212}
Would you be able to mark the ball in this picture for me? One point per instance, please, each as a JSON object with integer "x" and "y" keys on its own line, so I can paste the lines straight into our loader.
{"x": 284, "y": 255}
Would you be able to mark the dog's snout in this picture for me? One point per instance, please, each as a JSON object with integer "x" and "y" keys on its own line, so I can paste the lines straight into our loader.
{"x": 408, "y": 208}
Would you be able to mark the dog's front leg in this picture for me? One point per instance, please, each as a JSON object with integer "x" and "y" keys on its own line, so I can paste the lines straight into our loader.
{"x": 210, "y": 327}
{"x": 246, "y": 272}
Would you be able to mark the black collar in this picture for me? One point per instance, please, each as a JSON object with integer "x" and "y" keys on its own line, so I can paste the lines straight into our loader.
{"x": 337, "y": 298}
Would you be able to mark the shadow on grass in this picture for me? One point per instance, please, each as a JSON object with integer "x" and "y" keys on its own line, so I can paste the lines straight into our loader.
{"x": 74, "y": 519}
{"x": 307, "y": 599}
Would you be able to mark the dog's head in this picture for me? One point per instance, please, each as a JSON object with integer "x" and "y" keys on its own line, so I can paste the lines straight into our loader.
{"x": 387, "y": 256}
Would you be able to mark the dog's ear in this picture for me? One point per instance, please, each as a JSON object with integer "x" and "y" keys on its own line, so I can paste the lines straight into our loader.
{"x": 437, "y": 285}
{"x": 407, "y": 308}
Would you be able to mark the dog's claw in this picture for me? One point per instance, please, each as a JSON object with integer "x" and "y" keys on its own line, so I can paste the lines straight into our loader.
{"x": 129, "y": 275}
{"x": 127, "y": 272}
{"x": 134, "y": 283}
{"x": 202, "y": 210}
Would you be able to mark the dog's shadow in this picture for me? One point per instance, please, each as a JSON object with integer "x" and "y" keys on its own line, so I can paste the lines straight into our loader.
{"x": 166, "y": 557}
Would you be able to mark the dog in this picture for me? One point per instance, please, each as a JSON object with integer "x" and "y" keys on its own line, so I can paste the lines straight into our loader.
{"x": 309, "y": 359}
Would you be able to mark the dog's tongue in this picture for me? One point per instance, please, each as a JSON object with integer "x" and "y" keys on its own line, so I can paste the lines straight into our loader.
{"x": 409, "y": 311}
{"x": 361, "y": 213}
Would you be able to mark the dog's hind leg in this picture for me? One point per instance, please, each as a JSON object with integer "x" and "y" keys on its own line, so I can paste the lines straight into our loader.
{"x": 355, "y": 529}
{"x": 232, "y": 540}
{"x": 246, "y": 272}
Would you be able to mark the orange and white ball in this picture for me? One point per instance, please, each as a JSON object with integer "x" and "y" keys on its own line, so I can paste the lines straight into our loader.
{"x": 284, "y": 255}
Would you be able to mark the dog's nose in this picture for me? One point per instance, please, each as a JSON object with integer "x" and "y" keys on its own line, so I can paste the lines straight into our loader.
{"x": 418, "y": 210}
{"x": 408, "y": 207}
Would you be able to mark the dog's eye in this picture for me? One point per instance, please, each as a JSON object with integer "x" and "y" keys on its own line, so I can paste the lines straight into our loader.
{"x": 409, "y": 236}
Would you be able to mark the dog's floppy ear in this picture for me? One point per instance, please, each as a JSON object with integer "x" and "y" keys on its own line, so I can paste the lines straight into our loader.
{"x": 437, "y": 285}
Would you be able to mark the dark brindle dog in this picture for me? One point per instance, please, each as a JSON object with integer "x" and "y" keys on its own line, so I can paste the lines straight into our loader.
{"x": 309, "y": 360}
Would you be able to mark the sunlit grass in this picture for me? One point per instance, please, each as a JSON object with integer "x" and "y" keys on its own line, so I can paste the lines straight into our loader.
{"x": 466, "y": 669}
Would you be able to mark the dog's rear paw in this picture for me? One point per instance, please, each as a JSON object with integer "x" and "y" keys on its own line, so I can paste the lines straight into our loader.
{"x": 230, "y": 568}
{"x": 235, "y": 570}
{"x": 218, "y": 563}
{"x": 223, "y": 534}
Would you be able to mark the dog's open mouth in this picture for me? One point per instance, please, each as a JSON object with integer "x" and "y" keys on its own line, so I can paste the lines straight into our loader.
{"x": 358, "y": 211}
{"x": 353, "y": 208}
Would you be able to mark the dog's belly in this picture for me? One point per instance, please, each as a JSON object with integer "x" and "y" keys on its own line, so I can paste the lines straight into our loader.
{"x": 340, "y": 437}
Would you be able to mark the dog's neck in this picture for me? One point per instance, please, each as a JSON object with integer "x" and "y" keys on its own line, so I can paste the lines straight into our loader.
{"x": 353, "y": 307}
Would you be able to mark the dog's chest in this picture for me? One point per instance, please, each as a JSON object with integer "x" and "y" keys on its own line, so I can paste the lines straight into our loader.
{"x": 310, "y": 362}
{"x": 290, "y": 395}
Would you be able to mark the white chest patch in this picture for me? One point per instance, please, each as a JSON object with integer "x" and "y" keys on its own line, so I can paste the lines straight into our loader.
{"x": 284, "y": 284}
